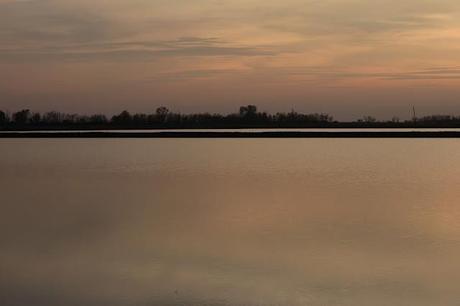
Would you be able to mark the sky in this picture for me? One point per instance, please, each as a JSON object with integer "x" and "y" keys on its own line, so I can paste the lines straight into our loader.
{"x": 348, "y": 58}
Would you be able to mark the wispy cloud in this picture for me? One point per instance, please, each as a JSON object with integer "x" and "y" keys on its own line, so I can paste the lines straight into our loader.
{"x": 332, "y": 73}
{"x": 134, "y": 50}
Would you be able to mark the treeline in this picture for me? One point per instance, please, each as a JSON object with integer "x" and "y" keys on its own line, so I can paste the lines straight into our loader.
{"x": 247, "y": 117}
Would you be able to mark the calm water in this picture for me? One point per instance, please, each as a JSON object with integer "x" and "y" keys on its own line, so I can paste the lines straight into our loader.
{"x": 229, "y": 222}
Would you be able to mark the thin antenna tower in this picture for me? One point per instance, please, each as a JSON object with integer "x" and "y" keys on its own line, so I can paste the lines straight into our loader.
{"x": 414, "y": 114}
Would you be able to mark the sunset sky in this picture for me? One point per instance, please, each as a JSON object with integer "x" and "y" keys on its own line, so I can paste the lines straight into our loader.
{"x": 346, "y": 57}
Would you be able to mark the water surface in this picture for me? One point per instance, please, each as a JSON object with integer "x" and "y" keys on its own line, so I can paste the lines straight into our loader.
{"x": 229, "y": 222}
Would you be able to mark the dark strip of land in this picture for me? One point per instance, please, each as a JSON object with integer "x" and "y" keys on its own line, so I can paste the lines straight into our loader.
{"x": 217, "y": 134}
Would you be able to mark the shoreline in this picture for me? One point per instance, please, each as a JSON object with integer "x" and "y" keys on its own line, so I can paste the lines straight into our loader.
{"x": 191, "y": 134}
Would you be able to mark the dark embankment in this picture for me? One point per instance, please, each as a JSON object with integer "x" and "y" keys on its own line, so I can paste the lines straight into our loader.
{"x": 283, "y": 134}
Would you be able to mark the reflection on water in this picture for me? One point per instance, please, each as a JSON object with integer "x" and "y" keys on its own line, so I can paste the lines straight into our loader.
{"x": 229, "y": 222}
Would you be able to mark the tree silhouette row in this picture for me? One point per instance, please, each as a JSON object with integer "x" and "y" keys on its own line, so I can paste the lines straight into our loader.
{"x": 247, "y": 117}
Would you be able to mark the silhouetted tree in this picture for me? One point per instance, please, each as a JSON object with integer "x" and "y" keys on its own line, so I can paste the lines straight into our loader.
{"x": 98, "y": 119}
{"x": 248, "y": 111}
{"x": 162, "y": 114}
{"x": 52, "y": 117}
{"x": 3, "y": 118}
{"x": 35, "y": 119}
{"x": 22, "y": 117}
{"x": 123, "y": 118}
{"x": 162, "y": 111}
{"x": 438, "y": 118}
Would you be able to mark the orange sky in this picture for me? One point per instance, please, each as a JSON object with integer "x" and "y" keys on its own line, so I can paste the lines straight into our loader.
{"x": 346, "y": 57}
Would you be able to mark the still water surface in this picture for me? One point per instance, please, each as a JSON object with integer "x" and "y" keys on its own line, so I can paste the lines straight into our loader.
{"x": 229, "y": 222}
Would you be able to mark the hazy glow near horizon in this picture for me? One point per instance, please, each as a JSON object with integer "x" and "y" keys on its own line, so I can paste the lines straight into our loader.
{"x": 345, "y": 57}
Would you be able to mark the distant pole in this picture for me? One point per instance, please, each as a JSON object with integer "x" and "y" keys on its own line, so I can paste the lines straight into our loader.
{"x": 414, "y": 114}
